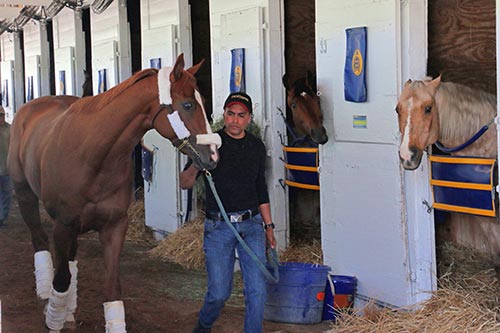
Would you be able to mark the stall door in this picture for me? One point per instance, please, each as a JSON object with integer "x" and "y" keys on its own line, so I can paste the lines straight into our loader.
{"x": 162, "y": 41}
{"x": 365, "y": 229}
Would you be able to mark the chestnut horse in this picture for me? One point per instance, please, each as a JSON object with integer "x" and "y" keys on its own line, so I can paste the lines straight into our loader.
{"x": 303, "y": 101}
{"x": 432, "y": 111}
{"x": 75, "y": 156}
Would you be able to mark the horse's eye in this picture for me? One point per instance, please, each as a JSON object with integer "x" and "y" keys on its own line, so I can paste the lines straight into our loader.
{"x": 187, "y": 105}
{"x": 396, "y": 109}
{"x": 293, "y": 105}
{"x": 428, "y": 109}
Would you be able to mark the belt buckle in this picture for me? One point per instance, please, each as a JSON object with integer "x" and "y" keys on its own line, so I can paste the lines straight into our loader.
{"x": 236, "y": 218}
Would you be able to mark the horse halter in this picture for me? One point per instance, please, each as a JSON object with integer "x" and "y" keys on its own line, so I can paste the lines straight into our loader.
{"x": 180, "y": 129}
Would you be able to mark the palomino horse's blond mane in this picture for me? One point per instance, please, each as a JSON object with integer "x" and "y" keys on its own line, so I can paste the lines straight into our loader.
{"x": 462, "y": 111}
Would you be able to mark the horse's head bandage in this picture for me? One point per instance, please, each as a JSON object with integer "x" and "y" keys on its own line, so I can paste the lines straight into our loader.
{"x": 209, "y": 139}
{"x": 164, "y": 86}
{"x": 178, "y": 125}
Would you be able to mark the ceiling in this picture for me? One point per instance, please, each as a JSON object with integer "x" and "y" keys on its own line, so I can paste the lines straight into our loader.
{"x": 14, "y": 14}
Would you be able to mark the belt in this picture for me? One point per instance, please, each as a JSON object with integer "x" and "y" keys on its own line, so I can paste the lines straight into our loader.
{"x": 233, "y": 217}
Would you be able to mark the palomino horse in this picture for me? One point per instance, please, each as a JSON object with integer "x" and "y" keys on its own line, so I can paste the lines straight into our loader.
{"x": 75, "y": 156}
{"x": 431, "y": 111}
{"x": 303, "y": 101}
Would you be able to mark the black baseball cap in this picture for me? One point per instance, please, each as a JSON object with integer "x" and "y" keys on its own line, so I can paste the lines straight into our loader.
{"x": 239, "y": 98}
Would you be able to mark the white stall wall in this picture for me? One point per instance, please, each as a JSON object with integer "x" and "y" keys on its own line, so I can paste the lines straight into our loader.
{"x": 11, "y": 74}
{"x": 7, "y": 87}
{"x": 255, "y": 26}
{"x": 163, "y": 200}
{"x": 32, "y": 54}
{"x": 69, "y": 51}
{"x": 365, "y": 229}
{"x": 111, "y": 45}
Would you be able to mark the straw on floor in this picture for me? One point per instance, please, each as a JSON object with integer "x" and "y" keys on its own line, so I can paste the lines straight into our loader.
{"x": 467, "y": 300}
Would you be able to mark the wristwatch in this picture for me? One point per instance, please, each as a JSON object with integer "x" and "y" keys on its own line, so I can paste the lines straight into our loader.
{"x": 267, "y": 226}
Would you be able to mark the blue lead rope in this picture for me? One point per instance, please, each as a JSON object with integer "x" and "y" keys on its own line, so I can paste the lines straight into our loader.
{"x": 465, "y": 144}
{"x": 272, "y": 254}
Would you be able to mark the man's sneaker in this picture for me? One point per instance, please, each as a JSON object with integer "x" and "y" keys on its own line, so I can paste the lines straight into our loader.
{"x": 201, "y": 329}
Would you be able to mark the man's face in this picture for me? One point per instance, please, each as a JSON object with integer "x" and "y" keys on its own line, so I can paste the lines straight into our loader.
{"x": 236, "y": 120}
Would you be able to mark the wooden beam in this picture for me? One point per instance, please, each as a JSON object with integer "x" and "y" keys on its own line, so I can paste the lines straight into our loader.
{"x": 25, "y": 2}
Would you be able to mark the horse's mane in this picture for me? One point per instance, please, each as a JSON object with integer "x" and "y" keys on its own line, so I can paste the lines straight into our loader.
{"x": 99, "y": 101}
{"x": 463, "y": 110}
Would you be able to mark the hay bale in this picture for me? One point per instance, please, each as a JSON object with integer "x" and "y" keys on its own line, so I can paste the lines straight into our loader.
{"x": 184, "y": 247}
{"x": 466, "y": 301}
{"x": 137, "y": 231}
{"x": 303, "y": 251}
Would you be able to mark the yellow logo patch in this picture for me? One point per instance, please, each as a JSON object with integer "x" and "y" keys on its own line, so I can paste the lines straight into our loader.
{"x": 357, "y": 63}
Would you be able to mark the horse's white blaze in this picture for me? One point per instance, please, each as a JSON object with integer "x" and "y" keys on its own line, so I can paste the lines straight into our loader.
{"x": 404, "y": 148}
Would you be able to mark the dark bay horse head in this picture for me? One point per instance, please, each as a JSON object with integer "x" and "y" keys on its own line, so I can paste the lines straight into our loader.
{"x": 303, "y": 101}
{"x": 418, "y": 120}
{"x": 181, "y": 115}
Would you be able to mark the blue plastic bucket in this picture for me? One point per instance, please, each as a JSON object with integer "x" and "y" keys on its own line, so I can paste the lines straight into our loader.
{"x": 297, "y": 298}
{"x": 342, "y": 298}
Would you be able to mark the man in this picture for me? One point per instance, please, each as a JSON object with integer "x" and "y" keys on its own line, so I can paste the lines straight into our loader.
{"x": 241, "y": 184}
{"x": 5, "y": 183}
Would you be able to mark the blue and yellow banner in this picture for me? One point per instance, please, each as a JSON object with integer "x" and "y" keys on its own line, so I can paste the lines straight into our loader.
{"x": 237, "y": 82}
{"x": 102, "y": 84}
{"x": 355, "y": 65}
{"x": 155, "y": 63}
{"x": 5, "y": 93}
{"x": 62, "y": 82}
{"x": 30, "y": 90}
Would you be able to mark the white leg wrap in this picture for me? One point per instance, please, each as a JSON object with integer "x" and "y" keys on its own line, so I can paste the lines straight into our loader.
{"x": 56, "y": 310}
{"x": 73, "y": 295}
{"x": 114, "y": 314}
{"x": 44, "y": 274}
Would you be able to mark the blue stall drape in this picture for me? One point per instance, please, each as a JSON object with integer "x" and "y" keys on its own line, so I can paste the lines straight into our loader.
{"x": 103, "y": 84}
{"x": 237, "y": 82}
{"x": 355, "y": 65}
{"x": 155, "y": 63}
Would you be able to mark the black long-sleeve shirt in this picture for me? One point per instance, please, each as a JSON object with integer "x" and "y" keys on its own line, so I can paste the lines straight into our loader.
{"x": 240, "y": 174}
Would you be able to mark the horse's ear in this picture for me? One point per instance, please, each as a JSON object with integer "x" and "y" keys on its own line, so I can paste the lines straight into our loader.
{"x": 284, "y": 79}
{"x": 193, "y": 70}
{"x": 434, "y": 83}
{"x": 178, "y": 67}
{"x": 311, "y": 80}
{"x": 407, "y": 83}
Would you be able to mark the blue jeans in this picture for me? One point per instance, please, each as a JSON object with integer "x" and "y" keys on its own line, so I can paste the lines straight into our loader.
{"x": 5, "y": 196}
{"x": 219, "y": 245}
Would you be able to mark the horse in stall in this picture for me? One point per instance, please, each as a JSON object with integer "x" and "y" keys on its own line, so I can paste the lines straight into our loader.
{"x": 74, "y": 155}
{"x": 449, "y": 113}
{"x": 303, "y": 102}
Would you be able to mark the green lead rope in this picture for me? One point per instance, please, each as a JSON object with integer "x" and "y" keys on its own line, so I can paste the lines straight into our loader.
{"x": 272, "y": 255}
